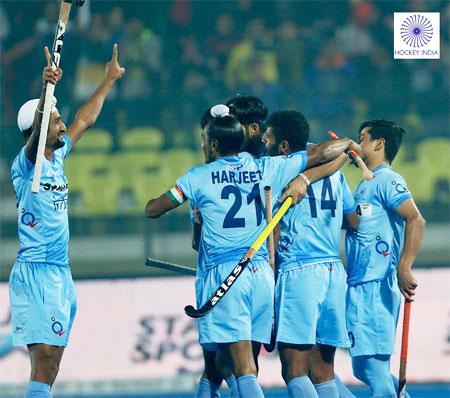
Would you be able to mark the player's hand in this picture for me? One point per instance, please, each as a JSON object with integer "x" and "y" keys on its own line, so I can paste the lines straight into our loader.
{"x": 113, "y": 70}
{"x": 296, "y": 189}
{"x": 407, "y": 283}
{"x": 355, "y": 147}
{"x": 50, "y": 75}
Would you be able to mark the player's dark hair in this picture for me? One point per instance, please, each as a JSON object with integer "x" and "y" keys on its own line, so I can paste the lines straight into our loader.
{"x": 248, "y": 109}
{"x": 206, "y": 118}
{"x": 391, "y": 132}
{"x": 26, "y": 133}
{"x": 290, "y": 126}
{"x": 228, "y": 132}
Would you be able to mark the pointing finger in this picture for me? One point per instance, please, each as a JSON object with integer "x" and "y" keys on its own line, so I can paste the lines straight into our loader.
{"x": 48, "y": 57}
{"x": 115, "y": 53}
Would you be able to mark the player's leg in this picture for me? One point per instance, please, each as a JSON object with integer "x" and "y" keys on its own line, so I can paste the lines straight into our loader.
{"x": 239, "y": 356}
{"x": 294, "y": 369}
{"x": 374, "y": 370}
{"x": 322, "y": 370}
{"x": 226, "y": 373}
{"x": 43, "y": 307}
{"x": 331, "y": 331}
{"x": 209, "y": 384}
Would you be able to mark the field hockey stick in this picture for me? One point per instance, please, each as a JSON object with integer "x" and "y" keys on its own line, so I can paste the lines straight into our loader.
{"x": 404, "y": 351}
{"x": 180, "y": 269}
{"x": 270, "y": 243}
{"x": 232, "y": 277}
{"x": 366, "y": 173}
{"x": 58, "y": 42}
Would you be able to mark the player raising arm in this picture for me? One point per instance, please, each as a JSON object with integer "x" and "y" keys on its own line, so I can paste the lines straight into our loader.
{"x": 377, "y": 264}
{"x": 42, "y": 293}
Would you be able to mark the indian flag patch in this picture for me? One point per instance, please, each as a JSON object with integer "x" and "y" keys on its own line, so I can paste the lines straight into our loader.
{"x": 176, "y": 196}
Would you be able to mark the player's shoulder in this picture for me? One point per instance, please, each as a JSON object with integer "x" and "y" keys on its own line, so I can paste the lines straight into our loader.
{"x": 386, "y": 174}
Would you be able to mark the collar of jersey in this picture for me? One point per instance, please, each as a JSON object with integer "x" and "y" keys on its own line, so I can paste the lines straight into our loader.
{"x": 380, "y": 167}
{"x": 231, "y": 158}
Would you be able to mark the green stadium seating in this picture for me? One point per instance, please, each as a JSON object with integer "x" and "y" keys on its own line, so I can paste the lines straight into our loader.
{"x": 93, "y": 179}
{"x": 142, "y": 139}
{"x": 95, "y": 140}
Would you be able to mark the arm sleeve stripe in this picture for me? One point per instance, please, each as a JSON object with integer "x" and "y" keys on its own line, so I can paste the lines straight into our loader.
{"x": 176, "y": 196}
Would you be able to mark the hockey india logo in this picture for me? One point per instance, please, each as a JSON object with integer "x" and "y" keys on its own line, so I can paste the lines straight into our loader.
{"x": 416, "y": 31}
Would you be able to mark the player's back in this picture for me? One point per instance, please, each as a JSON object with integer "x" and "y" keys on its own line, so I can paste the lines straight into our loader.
{"x": 310, "y": 231}
{"x": 228, "y": 193}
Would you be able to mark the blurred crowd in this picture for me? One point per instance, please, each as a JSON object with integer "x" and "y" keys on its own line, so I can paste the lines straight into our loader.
{"x": 330, "y": 59}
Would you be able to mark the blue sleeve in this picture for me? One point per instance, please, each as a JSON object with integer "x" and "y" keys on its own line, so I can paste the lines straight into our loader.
{"x": 394, "y": 191}
{"x": 184, "y": 185}
{"x": 348, "y": 200}
{"x": 66, "y": 148}
{"x": 280, "y": 170}
{"x": 22, "y": 165}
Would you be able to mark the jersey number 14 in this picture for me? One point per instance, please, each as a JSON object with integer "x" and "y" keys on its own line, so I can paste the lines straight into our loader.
{"x": 325, "y": 204}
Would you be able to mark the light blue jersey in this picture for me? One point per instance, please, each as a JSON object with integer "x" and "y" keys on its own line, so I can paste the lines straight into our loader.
{"x": 310, "y": 231}
{"x": 373, "y": 251}
{"x": 42, "y": 218}
{"x": 228, "y": 193}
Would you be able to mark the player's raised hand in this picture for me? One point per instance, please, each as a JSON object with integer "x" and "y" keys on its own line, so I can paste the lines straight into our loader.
{"x": 113, "y": 70}
{"x": 407, "y": 283}
{"x": 49, "y": 74}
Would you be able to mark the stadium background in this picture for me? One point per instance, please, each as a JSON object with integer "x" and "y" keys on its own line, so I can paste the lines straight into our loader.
{"x": 330, "y": 59}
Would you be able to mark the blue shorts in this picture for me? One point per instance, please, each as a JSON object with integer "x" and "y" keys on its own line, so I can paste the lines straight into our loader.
{"x": 246, "y": 310}
{"x": 372, "y": 316}
{"x": 43, "y": 303}
{"x": 310, "y": 305}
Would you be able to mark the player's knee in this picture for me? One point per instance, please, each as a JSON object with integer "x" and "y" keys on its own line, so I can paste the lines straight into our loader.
{"x": 321, "y": 374}
{"x": 45, "y": 362}
{"x": 244, "y": 369}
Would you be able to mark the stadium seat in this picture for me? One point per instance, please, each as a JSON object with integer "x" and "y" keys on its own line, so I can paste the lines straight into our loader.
{"x": 94, "y": 182}
{"x": 142, "y": 138}
{"x": 178, "y": 161}
{"x": 433, "y": 155}
{"x": 95, "y": 140}
{"x": 142, "y": 175}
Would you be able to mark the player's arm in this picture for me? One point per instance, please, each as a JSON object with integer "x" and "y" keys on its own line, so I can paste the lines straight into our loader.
{"x": 415, "y": 226}
{"x": 157, "y": 207}
{"x": 48, "y": 75}
{"x": 298, "y": 186}
{"x": 351, "y": 221}
{"x": 89, "y": 111}
{"x": 169, "y": 200}
{"x": 329, "y": 150}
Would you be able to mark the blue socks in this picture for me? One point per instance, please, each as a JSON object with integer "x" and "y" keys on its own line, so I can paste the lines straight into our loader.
{"x": 233, "y": 386}
{"x": 249, "y": 387}
{"x": 206, "y": 389}
{"x": 38, "y": 390}
{"x": 327, "y": 389}
{"x": 343, "y": 391}
{"x": 301, "y": 387}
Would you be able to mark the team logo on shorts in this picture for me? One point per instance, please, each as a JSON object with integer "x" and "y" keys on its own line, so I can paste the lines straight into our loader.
{"x": 28, "y": 219}
{"x": 57, "y": 327}
{"x": 382, "y": 247}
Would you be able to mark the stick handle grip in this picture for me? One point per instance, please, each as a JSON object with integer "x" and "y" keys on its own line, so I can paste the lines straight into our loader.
{"x": 367, "y": 174}
{"x": 270, "y": 241}
{"x": 56, "y": 57}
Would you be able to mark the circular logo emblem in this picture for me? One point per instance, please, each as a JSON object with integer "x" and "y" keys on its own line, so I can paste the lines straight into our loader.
{"x": 416, "y": 31}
